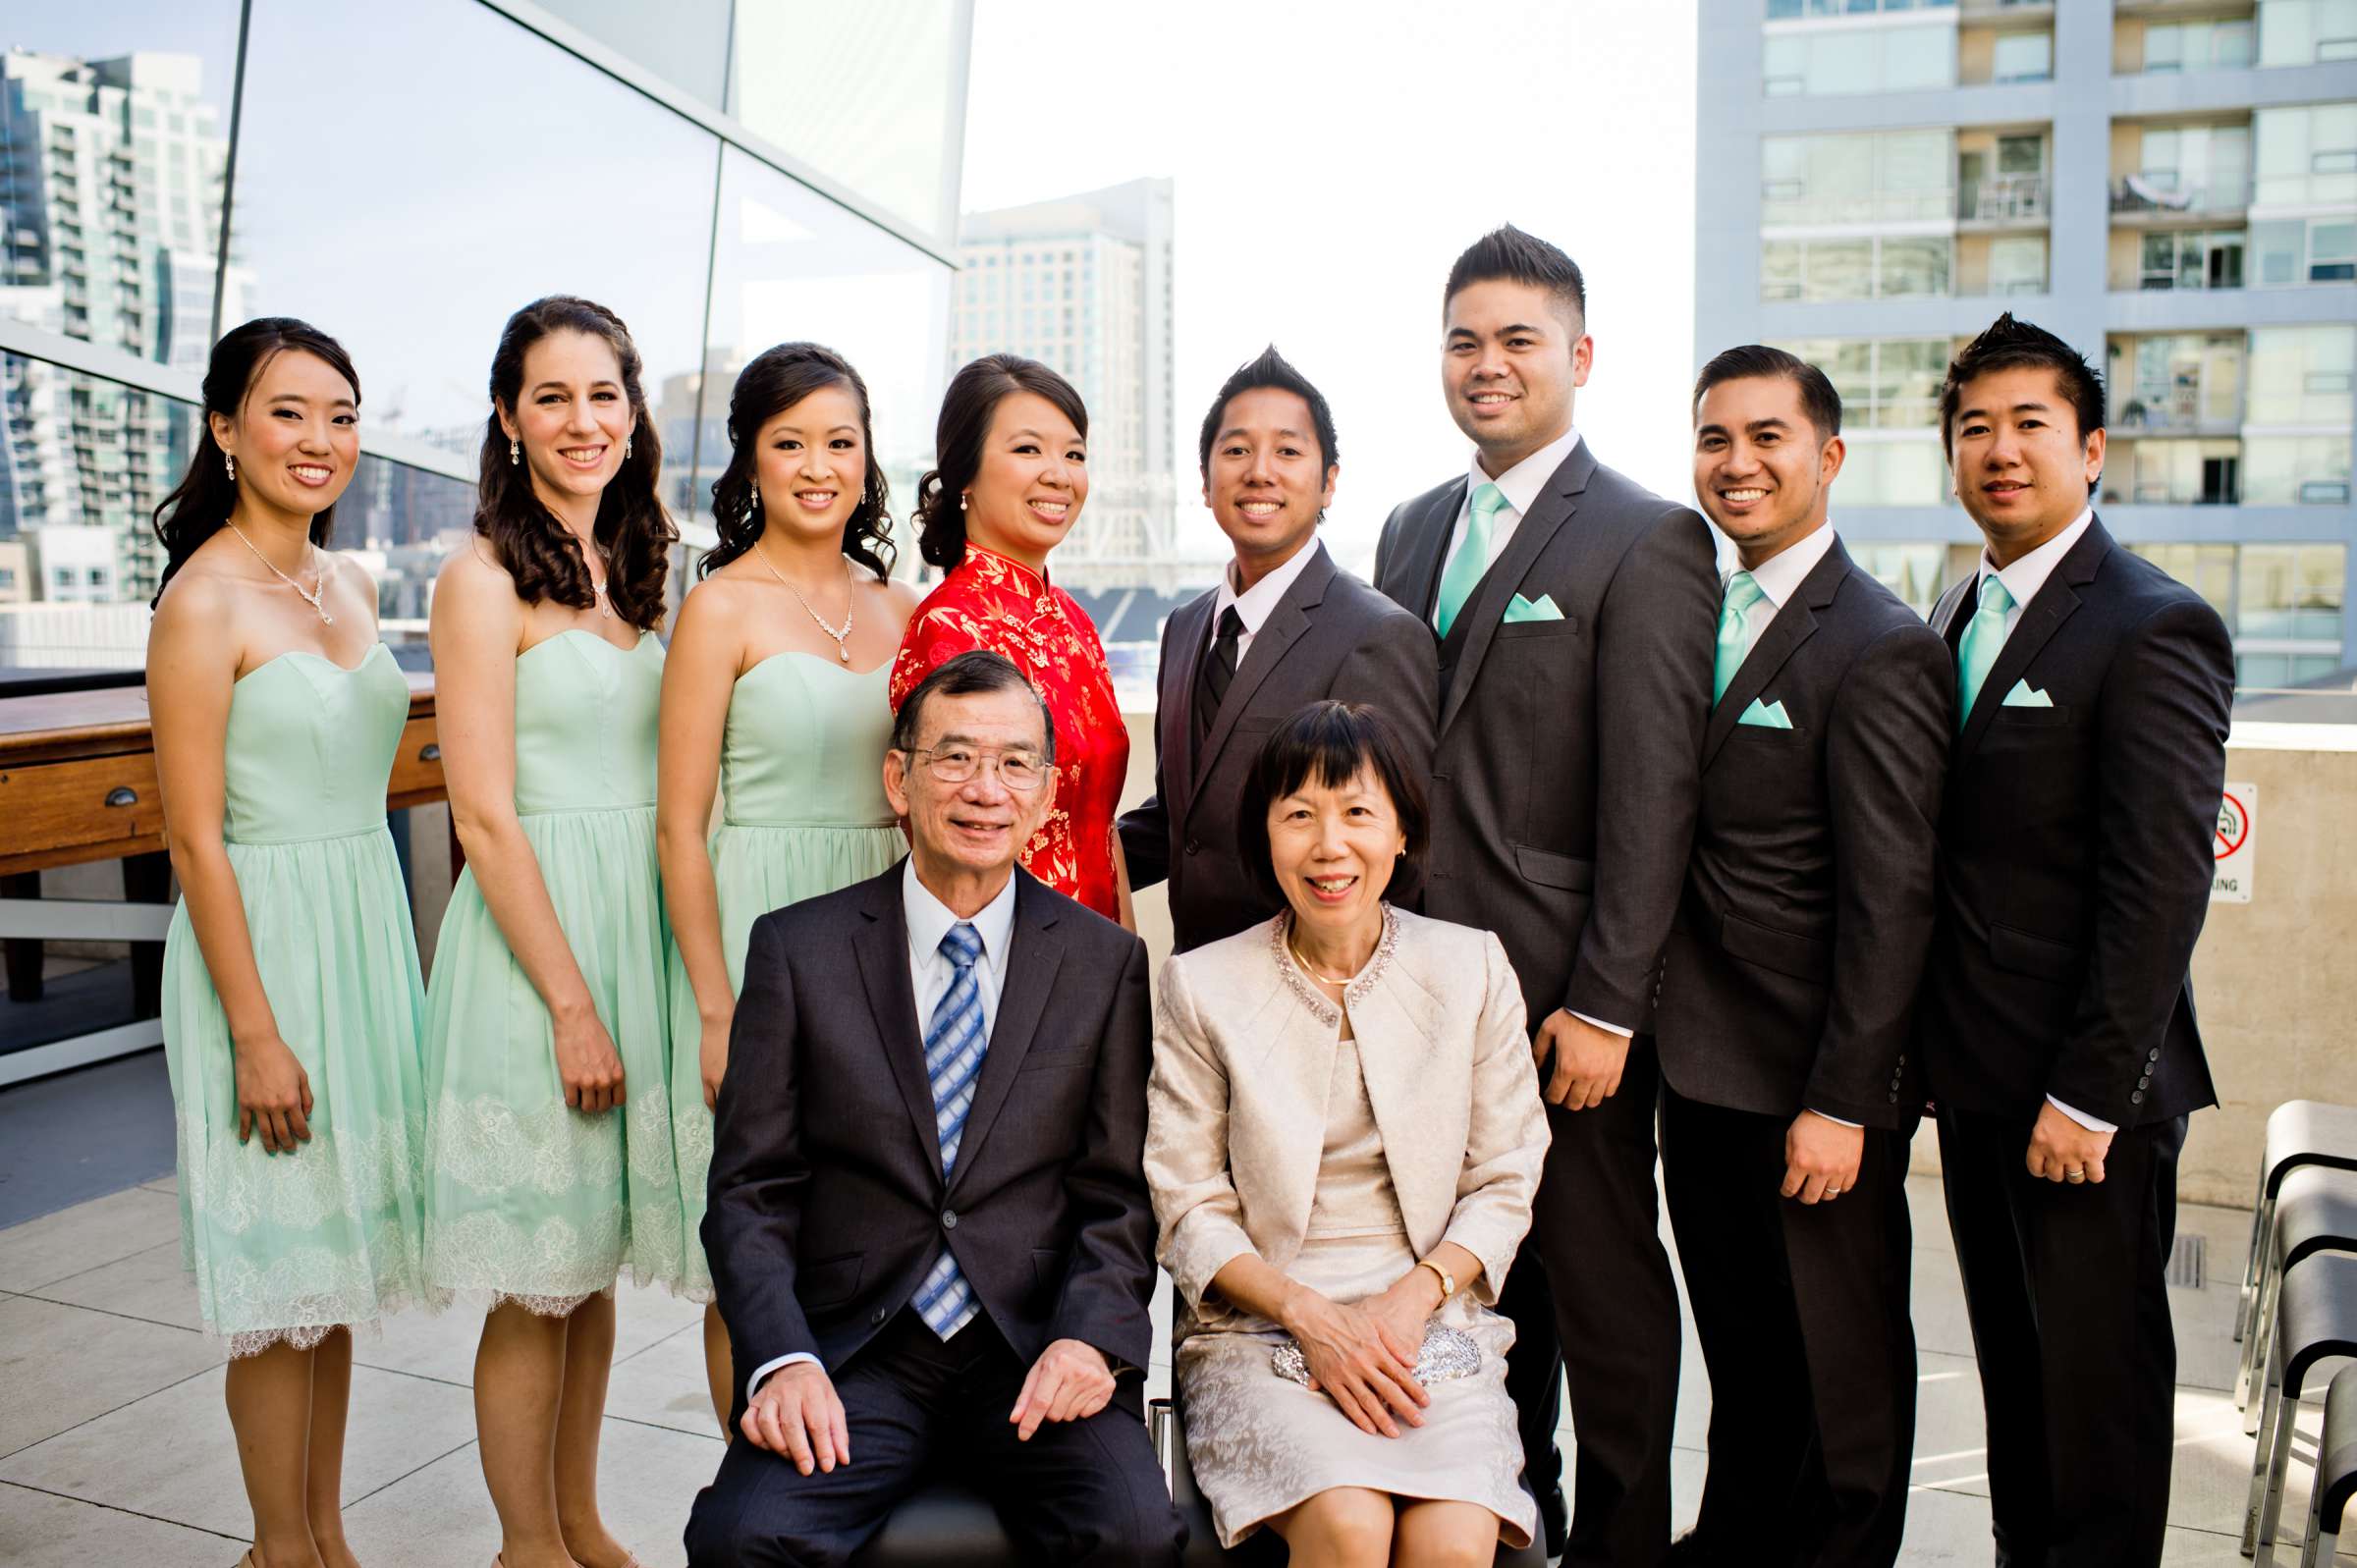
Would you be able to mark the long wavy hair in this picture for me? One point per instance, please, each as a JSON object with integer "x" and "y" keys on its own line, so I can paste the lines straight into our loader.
{"x": 200, "y": 503}
{"x": 634, "y": 532}
{"x": 777, "y": 379}
{"x": 974, "y": 394}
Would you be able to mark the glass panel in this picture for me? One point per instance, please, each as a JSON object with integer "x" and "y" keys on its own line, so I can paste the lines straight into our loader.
{"x": 793, "y": 265}
{"x": 1910, "y": 570}
{"x": 2307, "y": 154}
{"x": 2207, "y": 568}
{"x": 686, "y": 42}
{"x": 1915, "y": 268}
{"x": 2305, "y": 32}
{"x": 1839, "y": 269}
{"x": 2018, "y": 264}
{"x": 1784, "y": 68}
{"x": 467, "y": 195}
{"x": 82, "y": 464}
{"x": 2302, "y": 375}
{"x": 864, "y": 92}
{"x": 2319, "y": 575}
{"x": 1915, "y": 59}
{"x": 2268, "y": 591}
{"x": 406, "y": 520}
{"x": 2296, "y": 470}
{"x": 114, "y": 135}
{"x": 2025, "y": 57}
{"x": 1779, "y": 270}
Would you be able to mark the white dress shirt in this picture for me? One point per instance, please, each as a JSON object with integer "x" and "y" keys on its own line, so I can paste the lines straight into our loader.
{"x": 1256, "y": 604}
{"x": 1521, "y": 485}
{"x": 2022, "y": 579}
{"x": 930, "y": 975}
{"x": 1780, "y": 577}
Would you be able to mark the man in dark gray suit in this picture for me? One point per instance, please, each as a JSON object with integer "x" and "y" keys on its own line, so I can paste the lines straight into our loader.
{"x": 2057, "y": 1022}
{"x": 929, "y": 1224}
{"x": 1285, "y": 629}
{"x": 1787, "y": 991}
{"x": 1574, "y": 613}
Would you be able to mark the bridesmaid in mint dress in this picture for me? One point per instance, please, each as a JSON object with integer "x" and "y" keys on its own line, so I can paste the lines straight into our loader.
{"x": 550, "y": 1167}
{"x": 291, "y": 997}
{"x": 775, "y": 692}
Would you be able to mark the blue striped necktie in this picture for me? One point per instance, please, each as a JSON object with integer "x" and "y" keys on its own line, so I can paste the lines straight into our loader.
{"x": 954, "y": 1044}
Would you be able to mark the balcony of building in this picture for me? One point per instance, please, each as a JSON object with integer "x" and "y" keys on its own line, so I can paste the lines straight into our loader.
{"x": 2184, "y": 36}
{"x": 2181, "y": 172}
{"x": 2175, "y": 384}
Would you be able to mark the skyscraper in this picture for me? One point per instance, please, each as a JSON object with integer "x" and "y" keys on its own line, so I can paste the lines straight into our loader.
{"x": 2171, "y": 187}
{"x": 1083, "y": 283}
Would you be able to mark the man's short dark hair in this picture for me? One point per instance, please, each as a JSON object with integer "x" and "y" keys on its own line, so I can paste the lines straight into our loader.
{"x": 1756, "y": 361}
{"x": 1271, "y": 370}
{"x": 2011, "y": 345}
{"x": 969, "y": 674}
{"x": 1509, "y": 253}
{"x": 1327, "y": 743}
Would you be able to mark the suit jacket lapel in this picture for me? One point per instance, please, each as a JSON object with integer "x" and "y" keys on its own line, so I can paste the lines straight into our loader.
{"x": 1794, "y": 625}
{"x": 1421, "y": 572}
{"x": 1496, "y": 590}
{"x": 1285, "y": 626}
{"x": 2041, "y": 619}
{"x": 1176, "y": 714}
{"x": 1034, "y": 955}
{"x": 882, "y": 947}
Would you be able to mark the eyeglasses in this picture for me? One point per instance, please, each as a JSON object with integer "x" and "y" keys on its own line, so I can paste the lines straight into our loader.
{"x": 957, "y": 765}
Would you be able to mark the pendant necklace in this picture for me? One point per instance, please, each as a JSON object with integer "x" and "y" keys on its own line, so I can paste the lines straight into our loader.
{"x": 597, "y": 584}
{"x": 1311, "y": 969}
{"x": 310, "y": 596}
{"x": 842, "y": 637}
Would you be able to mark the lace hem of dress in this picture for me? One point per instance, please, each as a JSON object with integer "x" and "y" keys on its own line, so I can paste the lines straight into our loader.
{"x": 487, "y": 1144}
{"x": 1321, "y": 1008}
{"x": 234, "y": 1188}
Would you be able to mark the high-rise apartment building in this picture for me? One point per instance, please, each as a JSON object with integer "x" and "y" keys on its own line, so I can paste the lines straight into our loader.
{"x": 2168, "y": 185}
{"x": 110, "y": 222}
{"x": 1083, "y": 283}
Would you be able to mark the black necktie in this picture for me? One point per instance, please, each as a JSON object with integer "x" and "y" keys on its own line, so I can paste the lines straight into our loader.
{"x": 1218, "y": 669}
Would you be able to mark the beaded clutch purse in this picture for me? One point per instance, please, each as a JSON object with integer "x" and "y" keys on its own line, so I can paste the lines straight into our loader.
{"x": 1447, "y": 1353}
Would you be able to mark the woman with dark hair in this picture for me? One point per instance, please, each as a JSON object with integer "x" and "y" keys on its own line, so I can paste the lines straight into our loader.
{"x": 291, "y": 996}
{"x": 1344, "y": 1138}
{"x": 773, "y": 692}
{"x": 1013, "y": 445}
{"x": 550, "y": 1166}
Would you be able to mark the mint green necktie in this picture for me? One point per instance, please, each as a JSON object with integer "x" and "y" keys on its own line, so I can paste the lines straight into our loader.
{"x": 1983, "y": 640}
{"x": 1472, "y": 557}
{"x": 1734, "y": 631}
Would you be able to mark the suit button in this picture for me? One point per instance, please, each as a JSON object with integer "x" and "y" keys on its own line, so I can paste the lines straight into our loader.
{"x": 1895, "y": 1099}
{"x": 1902, "y": 1060}
{"x": 2145, "y": 1081}
{"x": 948, "y": 1219}
{"x": 2137, "y": 1097}
{"x": 2153, "y": 1055}
{"x": 876, "y": 1318}
{"x": 1194, "y": 847}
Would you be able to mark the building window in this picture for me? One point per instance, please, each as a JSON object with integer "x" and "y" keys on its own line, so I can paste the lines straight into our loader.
{"x": 2302, "y": 376}
{"x": 2023, "y": 56}
{"x": 2307, "y": 32}
{"x": 1791, "y": 10}
{"x": 2291, "y": 592}
{"x": 2306, "y": 156}
{"x": 1817, "y": 270}
{"x": 1912, "y": 570}
{"x": 2172, "y": 474}
{"x": 2171, "y": 47}
{"x": 2296, "y": 471}
{"x": 2190, "y": 259}
{"x": 2177, "y": 382}
{"x": 2295, "y": 251}
{"x": 1892, "y": 175}
{"x": 1895, "y": 59}
{"x": 2207, "y": 568}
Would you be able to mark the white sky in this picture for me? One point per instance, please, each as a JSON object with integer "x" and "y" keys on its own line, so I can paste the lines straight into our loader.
{"x": 1332, "y": 157}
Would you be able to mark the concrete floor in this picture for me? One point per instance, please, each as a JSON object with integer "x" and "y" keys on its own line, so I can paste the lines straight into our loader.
{"x": 114, "y": 1447}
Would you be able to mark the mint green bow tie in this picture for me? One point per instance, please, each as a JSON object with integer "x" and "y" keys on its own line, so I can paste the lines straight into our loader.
{"x": 1472, "y": 557}
{"x": 1984, "y": 639}
{"x": 1734, "y": 631}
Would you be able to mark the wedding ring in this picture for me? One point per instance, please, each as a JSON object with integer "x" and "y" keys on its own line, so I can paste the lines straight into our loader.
{"x": 2074, "y": 1175}
{"x": 1832, "y": 1192}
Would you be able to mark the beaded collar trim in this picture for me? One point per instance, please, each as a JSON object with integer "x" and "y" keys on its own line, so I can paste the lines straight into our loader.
{"x": 1281, "y": 930}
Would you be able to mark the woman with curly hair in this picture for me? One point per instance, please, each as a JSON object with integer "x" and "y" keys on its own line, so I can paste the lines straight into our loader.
{"x": 550, "y": 1166}
{"x": 774, "y": 691}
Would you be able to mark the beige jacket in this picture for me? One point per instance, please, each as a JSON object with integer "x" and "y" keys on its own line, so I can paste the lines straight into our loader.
{"x": 1243, "y": 1054}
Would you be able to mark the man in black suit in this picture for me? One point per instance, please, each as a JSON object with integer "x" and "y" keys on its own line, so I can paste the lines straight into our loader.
{"x": 1787, "y": 992}
{"x": 1286, "y": 628}
{"x": 2056, "y": 1023}
{"x": 1575, "y": 614}
{"x": 929, "y": 1224}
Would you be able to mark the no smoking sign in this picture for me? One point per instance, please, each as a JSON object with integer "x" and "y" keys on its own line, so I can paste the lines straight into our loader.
{"x": 2234, "y": 844}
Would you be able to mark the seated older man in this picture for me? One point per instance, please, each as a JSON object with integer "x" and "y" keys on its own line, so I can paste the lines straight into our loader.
{"x": 929, "y": 1226}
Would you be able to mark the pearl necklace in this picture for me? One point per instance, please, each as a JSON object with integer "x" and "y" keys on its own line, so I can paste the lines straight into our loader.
{"x": 841, "y": 639}
{"x": 309, "y": 596}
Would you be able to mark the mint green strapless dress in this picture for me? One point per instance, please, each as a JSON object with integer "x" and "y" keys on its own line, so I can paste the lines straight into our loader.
{"x": 527, "y": 1200}
{"x": 802, "y": 813}
{"x": 288, "y": 1247}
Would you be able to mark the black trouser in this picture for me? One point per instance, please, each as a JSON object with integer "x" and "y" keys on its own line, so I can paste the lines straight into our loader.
{"x": 1596, "y": 1227}
{"x": 1082, "y": 1492}
{"x": 1802, "y": 1314}
{"x": 2067, "y": 1289}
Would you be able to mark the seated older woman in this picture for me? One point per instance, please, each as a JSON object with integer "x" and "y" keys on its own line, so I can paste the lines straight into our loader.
{"x": 1344, "y": 1138}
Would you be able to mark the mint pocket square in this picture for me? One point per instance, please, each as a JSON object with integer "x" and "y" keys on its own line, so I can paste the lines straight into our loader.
{"x": 1771, "y": 716}
{"x": 2022, "y": 696}
{"x": 1540, "y": 609}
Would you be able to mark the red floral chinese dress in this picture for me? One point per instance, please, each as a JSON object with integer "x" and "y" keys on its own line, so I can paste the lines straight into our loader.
{"x": 988, "y": 601}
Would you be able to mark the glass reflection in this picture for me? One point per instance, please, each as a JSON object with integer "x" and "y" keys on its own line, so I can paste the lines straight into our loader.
{"x": 792, "y": 264}
{"x": 448, "y": 168}
{"x": 401, "y": 521}
{"x": 686, "y": 42}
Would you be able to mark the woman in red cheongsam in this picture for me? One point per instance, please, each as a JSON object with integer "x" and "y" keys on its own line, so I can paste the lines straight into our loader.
{"x": 1013, "y": 445}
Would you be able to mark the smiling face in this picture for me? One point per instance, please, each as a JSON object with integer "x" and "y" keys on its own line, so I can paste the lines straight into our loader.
{"x": 810, "y": 464}
{"x": 1265, "y": 483}
{"x": 1032, "y": 480}
{"x": 2021, "y": 464}
{"x": 573, "y": 416}
{"x": 1761, "y": 470}
{"x": 1509, "y": 364}
{"x": 295, "y": 437}
{"x": 1334, "y": 847}
{"x": 962, "y": 832}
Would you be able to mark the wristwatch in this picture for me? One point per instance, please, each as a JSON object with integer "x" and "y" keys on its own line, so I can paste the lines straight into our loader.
{"x": 1447, "y": 1280}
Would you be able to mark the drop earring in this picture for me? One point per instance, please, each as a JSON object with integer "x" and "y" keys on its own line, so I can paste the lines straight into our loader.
{"x": 626, "y": 448}
{"x": 962, "y": 498}
{"x": 515, "y": 451}
{"x": 231, "y": 463}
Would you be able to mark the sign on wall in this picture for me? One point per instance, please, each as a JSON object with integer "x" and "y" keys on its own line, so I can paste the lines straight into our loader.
{"x": 2235, "y": 843}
